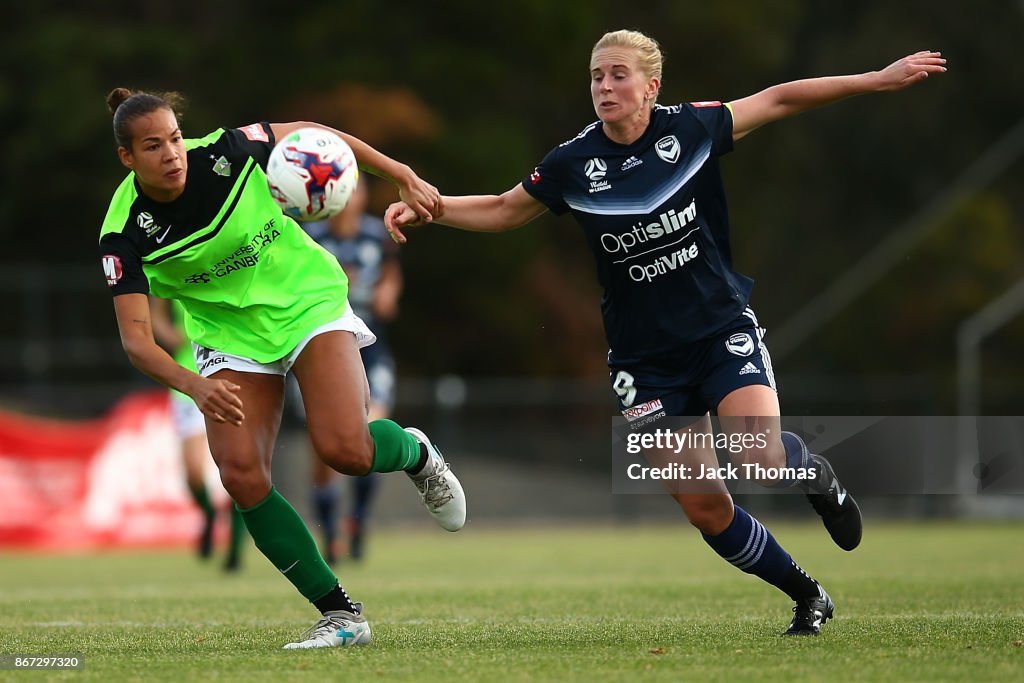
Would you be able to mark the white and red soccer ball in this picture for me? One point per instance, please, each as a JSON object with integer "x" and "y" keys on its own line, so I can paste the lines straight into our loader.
{"x": 312, "y": 173}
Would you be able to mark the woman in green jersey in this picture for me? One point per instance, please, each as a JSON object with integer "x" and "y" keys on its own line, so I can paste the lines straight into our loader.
{"x": 195, "y": 221}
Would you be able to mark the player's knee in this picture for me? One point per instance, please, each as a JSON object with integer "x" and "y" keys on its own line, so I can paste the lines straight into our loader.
{"x": 710, "y": 514}
{"x": 351, "y": 455}
{"x": 246, "y": 483}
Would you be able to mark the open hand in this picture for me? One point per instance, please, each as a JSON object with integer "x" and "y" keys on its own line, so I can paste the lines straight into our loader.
{"x": 911, "y": 69}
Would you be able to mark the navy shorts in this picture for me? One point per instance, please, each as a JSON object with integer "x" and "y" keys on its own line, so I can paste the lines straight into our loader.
{"x": 693, "y": 380}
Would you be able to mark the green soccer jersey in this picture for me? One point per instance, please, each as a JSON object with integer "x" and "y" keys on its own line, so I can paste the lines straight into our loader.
{"x": 252, "y": 282}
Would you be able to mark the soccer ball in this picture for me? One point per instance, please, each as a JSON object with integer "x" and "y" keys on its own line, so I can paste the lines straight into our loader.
{"x": 312, "y": 173}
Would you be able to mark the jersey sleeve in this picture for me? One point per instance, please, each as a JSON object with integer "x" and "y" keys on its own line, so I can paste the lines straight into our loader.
{"x": 717, "y": 121}
{"x": 545, "y": 183}
{"x": 122, "y": 265}
{"x": 256, "y": 140}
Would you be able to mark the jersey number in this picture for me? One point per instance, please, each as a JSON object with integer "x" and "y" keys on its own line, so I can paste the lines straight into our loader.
{"x": 623, "y": 386}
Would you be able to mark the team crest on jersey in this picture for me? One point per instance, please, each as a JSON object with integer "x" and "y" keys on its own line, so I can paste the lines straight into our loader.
{"x": 740, "y": 344}
{"x": 595, "y": 169}
{"x": 149, "y": 225}
{"x": 146, "y": 221}
{"x": 668, "y": 148}
{"x": 222, "y": 166}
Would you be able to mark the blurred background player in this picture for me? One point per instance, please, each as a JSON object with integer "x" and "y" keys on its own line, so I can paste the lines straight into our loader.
{"x": 361, "y": 244}
{"x": 191, "y": 429}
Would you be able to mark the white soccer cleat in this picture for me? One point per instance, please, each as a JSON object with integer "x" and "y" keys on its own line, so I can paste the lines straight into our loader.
{"x": 335, "y": 629}
{"x": 439, "y": 487}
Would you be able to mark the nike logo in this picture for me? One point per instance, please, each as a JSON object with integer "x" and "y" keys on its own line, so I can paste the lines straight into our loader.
{"x": 160, "y": 239}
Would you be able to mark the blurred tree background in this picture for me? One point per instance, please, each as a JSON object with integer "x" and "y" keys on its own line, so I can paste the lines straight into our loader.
{"x": 473, "y": 94}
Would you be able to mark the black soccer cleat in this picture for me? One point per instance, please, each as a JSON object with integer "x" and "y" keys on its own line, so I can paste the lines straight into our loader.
{"x": 810, "y": 614}
{"x": 834, "y": 504}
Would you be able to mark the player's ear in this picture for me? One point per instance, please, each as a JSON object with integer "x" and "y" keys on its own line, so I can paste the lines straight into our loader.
{"x": 652, "y": 88}
{"x": 126, "y": 158}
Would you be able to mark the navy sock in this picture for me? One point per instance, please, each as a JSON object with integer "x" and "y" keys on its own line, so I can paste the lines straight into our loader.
{"x": 325, "y": 501}
{"x": 797, "y": 457}
{"x": 746, "y": 544}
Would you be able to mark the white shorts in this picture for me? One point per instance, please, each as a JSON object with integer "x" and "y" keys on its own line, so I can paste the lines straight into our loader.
{"x": 188, "y": 419}
{"x": 210, "y": 361}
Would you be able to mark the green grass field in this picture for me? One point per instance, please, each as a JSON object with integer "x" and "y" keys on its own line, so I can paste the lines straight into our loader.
{"x": 924, "y": 602}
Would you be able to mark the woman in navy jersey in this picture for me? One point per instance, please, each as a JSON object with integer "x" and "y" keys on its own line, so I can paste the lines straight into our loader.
{"x": 643, "y": 182}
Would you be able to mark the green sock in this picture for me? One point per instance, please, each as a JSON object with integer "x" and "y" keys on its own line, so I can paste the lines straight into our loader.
{"x": 395, "y": 448}
{"x": 283, "y": 538}
{"x": 237, "y": 531}
{"x": 202, "y": 499}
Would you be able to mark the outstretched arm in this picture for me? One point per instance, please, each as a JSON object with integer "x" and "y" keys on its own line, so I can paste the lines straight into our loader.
{"x": 423, "y": 197}
{"x": 478, "y": 213}
{"x": 788, "y": 99}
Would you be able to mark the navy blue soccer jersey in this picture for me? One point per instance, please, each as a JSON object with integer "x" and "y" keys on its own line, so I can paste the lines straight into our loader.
{"x": 654, "y": 215}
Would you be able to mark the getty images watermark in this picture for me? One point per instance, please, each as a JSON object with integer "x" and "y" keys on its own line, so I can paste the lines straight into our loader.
{"x": 686, "y": 441}
{"x": 874, "y": 455}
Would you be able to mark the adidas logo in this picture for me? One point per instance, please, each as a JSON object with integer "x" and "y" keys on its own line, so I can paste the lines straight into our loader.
{"x": 630, "y": 163}
{"x": 749, "y": 369}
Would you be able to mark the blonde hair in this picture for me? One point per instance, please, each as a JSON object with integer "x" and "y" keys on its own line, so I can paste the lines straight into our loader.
{"x": 648, "y": 52}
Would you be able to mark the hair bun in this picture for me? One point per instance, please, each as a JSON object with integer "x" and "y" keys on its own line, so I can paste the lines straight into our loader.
{"x": 116, "y": 97}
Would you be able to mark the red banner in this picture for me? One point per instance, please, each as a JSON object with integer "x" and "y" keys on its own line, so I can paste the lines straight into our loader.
{"x": 115, "y": 481}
